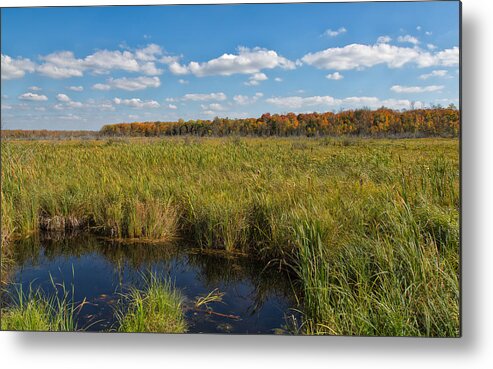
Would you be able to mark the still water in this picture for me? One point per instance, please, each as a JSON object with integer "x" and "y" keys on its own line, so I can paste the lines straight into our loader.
{"x": 256, "y": 300}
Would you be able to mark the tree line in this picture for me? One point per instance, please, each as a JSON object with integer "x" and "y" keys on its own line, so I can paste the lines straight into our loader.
{"x": 383, "y": 122}
{"x": 363, "y": 122}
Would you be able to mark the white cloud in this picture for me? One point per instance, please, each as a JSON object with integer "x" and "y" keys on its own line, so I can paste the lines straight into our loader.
{"x": 134, "y": 84}
{"x": 247, "y": 61}
{"x": 431, "y": 46}
{"x": 172, "y": 107}
{"x": 418, "y": 28}
{"x": 64, "y": 64}
{"x": 70, "y": 117}
{"x": 278, "y": 79}
{"x": 34, "y": 88}
{"x": 255, "y": 79}
{"x": 76, "y": 88}
{"x": 33, "y": 97}
{"x": 448, "y": 57}
{"x": 136, "y": 103}
{"x": 182, "y": 81}
{"x": 15, "y": 68}
{"x": 75, "y": 104}
{"x": 218, "y": 96}
{"x": 408, "y": 38}
{"x": 415, "y": 89}
{"x": 359, "y": 56}
{"x": 325, "y": 102}
{"x": 169, "y": 59}
{"x": 435, "y": 73}
{"x": 213, "y": 106}
{"x": 6, "y": 106}
{"x": 296, "y": 102}
{"x": 332, "y": 33}
{"x": 245, "y": 100}
{"x": 384, "y": 39}
{"x": 178, "y": 69}
{"x": 335, "y": 76}
{"x": 104, "y": 60}
{"x": 101, "y": 87}
{"x": 149, "y": 53}
{"x": 428, "y": 33}
{"x": 62, "y": 98}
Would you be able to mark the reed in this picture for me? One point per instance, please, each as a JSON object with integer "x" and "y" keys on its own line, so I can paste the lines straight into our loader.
{"x": 370, "y": 227}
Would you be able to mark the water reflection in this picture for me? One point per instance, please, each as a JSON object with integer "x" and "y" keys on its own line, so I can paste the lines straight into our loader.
{"x": 99, "y": 270}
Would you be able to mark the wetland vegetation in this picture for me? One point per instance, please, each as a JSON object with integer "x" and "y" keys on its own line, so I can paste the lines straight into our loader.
{"x": 365, "y": 231}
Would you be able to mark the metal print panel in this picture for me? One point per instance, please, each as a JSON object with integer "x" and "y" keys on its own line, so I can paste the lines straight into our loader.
{"x": 233, "y": 169}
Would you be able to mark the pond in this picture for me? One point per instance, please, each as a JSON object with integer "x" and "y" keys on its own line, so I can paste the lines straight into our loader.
{"x": 257, "y": 300}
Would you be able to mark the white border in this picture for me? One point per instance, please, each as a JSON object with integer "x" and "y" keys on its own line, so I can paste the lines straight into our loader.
{"x": 44, "y": 350}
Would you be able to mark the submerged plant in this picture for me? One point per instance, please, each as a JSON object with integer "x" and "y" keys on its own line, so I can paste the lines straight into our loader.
{"x": 213, "y": 296}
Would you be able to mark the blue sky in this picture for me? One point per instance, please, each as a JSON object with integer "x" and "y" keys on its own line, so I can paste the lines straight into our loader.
{"x": 83, "y": 67}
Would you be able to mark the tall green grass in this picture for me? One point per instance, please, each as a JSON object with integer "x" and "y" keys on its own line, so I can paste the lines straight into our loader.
{"x": 369, "y": 226}
{"x": 37, "y": 311}
{"x": 157, "y": 308}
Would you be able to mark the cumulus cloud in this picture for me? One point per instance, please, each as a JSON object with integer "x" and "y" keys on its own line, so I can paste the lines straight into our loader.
{"x": 15, "y": 68}
{"x": 247, "y": 61}
{"x": 64, "y": 64}
{"x": 29, "y": 96}
{"x": 136, "y": 103}
{"x": 105, "y": 60}
{"x": 213, "y": 107}
{"x": 255, "y": 79}
{"x": 335, "y": 76}
{"x": 218, "y": 96}
{"x": 431, "y": 46}
{"x": 61, "y": 64}
{"x": 435, "y": 73}
{"x": 415, "y": 89}
{"x": 297, "y": 102}
{"x": 76, "y": 88}
{"x": 245, "y": 100}
{"x": 172, "y": 107}
{"x": 182, "y": 81}
{"x": 34, "y": 88}
{"x": 62, "y": 98}
{"x": 278, "y": 79}
{"x": 149, "y": 53}
{"x": 133, "y": 84}
{"x": 448, "y": 57}
{"x": 101, "y": 87}
{"x": 178, "y": 69}
{"x": 408, "y": 38}
{"x": 324, "y": 102}
{"x": 384, "y": 39}
{"x": 331, "y": 33}
{"x": 359, "y": 56}
{"x": 129, "y": 84}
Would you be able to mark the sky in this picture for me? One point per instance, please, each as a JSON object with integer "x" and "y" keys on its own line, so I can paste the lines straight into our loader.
{"x": 73, "y": 68}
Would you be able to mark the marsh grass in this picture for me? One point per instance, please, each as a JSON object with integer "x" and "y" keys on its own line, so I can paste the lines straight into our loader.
{"x": 37, "y": 311}
{"x": 157, "y": 308}
{"x": 370, "y": 227}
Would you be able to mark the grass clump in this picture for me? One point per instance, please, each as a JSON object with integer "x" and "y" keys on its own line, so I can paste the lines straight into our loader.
{"x": 155, "y": 309}
{"x": 35, "y": 311}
